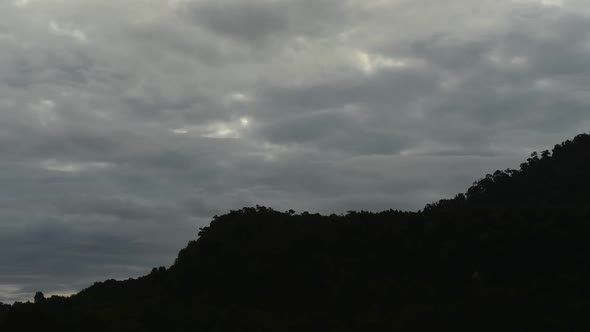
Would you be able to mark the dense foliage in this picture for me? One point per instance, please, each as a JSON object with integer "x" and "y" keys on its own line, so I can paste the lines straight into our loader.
{"x": 511, "y": 254}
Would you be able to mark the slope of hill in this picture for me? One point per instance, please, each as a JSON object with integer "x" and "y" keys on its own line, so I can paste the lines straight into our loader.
{"x": 509, "y": 254}
{"x": 557, "y": 178}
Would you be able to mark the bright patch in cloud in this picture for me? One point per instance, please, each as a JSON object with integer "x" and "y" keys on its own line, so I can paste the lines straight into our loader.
{"x": 73, "y": 167}
{"x": 180, "y": 131}
{"x": 45, "y": 112}
{"x": 545, "y": 3}
{"x": 237, "y": 98}
{"x": 370, "y": 63}
{"x": 232, "y": 129}
{"x": 21, "y": 3}
{"x": 555, "y": 3}
{"x": 221, "y": 131}
{"x": 67, "y": 31}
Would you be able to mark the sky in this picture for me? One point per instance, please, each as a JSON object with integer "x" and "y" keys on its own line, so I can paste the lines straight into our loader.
{"x": 126, "y": 125}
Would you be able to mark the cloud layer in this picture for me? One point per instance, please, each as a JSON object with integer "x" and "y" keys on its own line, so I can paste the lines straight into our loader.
{"x": 124, "y": 126}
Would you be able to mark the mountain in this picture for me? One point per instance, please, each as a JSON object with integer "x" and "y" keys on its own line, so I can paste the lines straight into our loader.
{"x": 510, "y": 254}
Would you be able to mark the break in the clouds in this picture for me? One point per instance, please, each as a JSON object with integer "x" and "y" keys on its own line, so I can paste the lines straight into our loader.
{"x": 125, "y": 125}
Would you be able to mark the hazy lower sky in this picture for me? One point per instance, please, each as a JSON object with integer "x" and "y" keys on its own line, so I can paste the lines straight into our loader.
{"x": 126, "y": 125}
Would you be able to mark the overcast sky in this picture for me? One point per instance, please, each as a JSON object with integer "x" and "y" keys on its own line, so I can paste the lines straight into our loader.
{"x": 126, "y": 125}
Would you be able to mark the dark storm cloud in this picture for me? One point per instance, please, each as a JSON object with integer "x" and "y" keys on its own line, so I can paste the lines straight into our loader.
{"x": 242, "y": 21}
{"x": 126, "y": 126}
{"x": 261, "y": 22}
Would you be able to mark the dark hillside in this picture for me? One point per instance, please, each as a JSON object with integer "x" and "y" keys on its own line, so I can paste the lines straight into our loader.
{"x": 509, "y": 255}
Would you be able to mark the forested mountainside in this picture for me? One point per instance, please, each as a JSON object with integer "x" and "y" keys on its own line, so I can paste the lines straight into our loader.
{"x": 510, "y": 254}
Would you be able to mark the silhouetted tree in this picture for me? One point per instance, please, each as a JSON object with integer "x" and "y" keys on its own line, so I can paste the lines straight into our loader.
{"x": 39, "y": 297}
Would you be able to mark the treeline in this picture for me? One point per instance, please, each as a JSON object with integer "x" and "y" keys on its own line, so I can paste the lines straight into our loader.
{"x": 510, "y": 254}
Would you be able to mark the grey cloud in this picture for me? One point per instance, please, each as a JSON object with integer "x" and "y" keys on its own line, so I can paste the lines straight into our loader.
{"x": 385, "y": 87}
{"x": 260, "y": 22}
{"x": 119, "y": 208}
{"x": 242, "y": 21}
{"x": 335, "y": 130}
